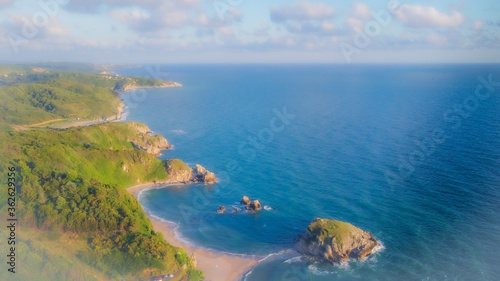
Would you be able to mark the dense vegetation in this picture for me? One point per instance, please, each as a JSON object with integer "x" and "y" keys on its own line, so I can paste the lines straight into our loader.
{"x": 34, "y": 95}
{"x": 78, "y": 222}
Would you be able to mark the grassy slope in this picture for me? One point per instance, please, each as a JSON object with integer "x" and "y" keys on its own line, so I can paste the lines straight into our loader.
{"x": 33, "y": 95}
{"x": 71, "y": 185}
{"x": 324, "y": 229}
{"x": 74, "y": 181}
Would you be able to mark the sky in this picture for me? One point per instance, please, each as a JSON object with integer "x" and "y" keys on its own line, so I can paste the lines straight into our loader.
{"x": 244, "y": 31}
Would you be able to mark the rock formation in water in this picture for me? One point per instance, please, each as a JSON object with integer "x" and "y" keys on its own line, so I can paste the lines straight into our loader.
{"x": 180, "y": 172}
{"x": 254, "y": 206}
{"x": 221, "y": 210}
{"x": 201, "y": 174}
{"x": 251, "y": 205}
{"x": 245, "y": 201}
{"x": 335, "y": 241}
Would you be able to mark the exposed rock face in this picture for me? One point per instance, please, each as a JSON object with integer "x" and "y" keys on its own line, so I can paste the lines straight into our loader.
{"x": 254, "y": 206}
{"x": 179, "y": 172}
{"x": 251, "y": 205}
{"x": 221, "y": 209}
{"x": 245, "y": 201}
{"x": 155, "y": 148}
{"x": 149, "y": 141}
{"x": 201, "y": 174}
{"x": 335, "y": 241}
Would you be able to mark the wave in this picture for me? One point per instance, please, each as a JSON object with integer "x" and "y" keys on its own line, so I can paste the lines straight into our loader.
{"x": 315, "y": 266}
{"x": 379, "y": 248}
{"x": 313, "y": 269}
{"x": 123, "y": 116}
{"x": 287, "y": 254}
{"x": 179, "y": 132}
{"x": 294, "y": 260}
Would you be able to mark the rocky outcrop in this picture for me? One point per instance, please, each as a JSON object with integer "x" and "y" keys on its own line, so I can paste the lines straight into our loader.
{"x": 180, "y": 172}
{"x": 147, "y": 140}
{"x": 245, "y": 201}
{"x": 155, "y": 148}
{"x": 201, "y": 174}
{"x": 251, "y": 205}
{"x": 254, "y": 206}
{"x": 335, "y": 241}
{"x": 221, "y": 209}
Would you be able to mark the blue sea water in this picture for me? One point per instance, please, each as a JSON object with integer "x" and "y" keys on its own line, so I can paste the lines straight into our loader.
{"x": 410, "y": 153}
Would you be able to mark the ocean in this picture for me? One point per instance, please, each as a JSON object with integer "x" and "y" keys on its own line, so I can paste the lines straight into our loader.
{"x": 410, "y": 153}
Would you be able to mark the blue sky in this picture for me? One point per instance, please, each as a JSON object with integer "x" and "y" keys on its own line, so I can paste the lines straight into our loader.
{"x": 243, "y": 31}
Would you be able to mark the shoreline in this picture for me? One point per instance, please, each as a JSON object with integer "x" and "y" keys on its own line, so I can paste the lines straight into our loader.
{"x": 133, "y": 88}
{"x": 120, "y": 116}
{"x": 216, "y": 266}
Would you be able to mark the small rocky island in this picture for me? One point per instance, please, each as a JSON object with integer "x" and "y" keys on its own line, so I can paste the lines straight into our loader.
{"x": 250, "y": 205}
{"x": 335, "y": 241}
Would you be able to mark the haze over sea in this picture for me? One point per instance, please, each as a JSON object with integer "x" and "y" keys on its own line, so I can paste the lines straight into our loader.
{"x": 364, "y": 145}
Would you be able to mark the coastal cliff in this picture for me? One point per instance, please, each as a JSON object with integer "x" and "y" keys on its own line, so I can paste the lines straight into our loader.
{"x": 147, "y": 140}
{"x": 129, "y": 84}
{"x": 180, "y": 172}
{"x": 335, "y": 241}
{"x": 173, "y": 171}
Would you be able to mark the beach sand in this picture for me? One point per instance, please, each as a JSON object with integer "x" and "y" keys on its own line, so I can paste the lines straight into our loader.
{"x": 215, "y": 266}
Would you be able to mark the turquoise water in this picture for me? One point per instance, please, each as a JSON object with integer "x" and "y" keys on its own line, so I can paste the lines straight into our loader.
{"x": 343, "y": 153}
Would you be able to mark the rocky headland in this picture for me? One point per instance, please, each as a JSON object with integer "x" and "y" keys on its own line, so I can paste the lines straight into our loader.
{"x": 175, "y": 169}
{"x": 180, "y": 172}
{"x": 130, "y": 84}
{"x": 147, "y": 140}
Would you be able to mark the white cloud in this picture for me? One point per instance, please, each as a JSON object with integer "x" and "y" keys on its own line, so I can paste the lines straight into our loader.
{"x": 92, "y": 6}
{"x": 129, "y": 16}
{"x": 55, "y": 28}
{"x": 262, "y": 30}
{"x": 361, "y": 11}
{"x": 327, "y": 26}
{"x": 355, "y": 24}
{"x": 478, "y": 25}
{"x": 436, "y": 39}
{"x": 421, "y": 16}
{"x": 313, "y": 18}
{"x": 225, "y": 30}
{"x": 5, "y": 3}
{"x": 175, "y": 18}
{"x": 302, "y": 10}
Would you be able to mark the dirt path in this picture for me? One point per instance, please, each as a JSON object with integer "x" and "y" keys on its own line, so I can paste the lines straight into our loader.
{"x": 43, "y": 123}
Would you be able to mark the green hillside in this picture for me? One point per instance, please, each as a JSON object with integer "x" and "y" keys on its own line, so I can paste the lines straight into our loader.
{"x": 35, "y": 95}
{"x": 75, "y": 180}
{"x": 77, "y": 220}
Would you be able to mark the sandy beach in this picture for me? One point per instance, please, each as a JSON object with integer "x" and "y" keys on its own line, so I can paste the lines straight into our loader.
{"x": 216, "y": 266}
